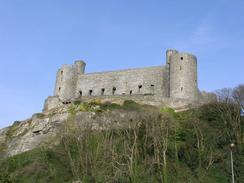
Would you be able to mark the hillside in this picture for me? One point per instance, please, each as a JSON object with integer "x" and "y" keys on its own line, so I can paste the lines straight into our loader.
{"x": 95, "y": 142}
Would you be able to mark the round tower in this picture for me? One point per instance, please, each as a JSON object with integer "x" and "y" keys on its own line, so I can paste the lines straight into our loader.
{"x": 80, "y": 66}
{"x": 183, "y": 76}
{"x": 66, "y": 82}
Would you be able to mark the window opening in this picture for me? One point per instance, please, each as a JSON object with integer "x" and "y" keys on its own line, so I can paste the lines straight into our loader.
{"x": 114, "y": 89}
{"x": 90, "y": 92}
{"x": 80, "y": 92}
{"x": 130, "y": 92}
{"x": 152, "y": 89}
{"x": 181, "y": 58}
{"x": 139, "y": 88}
{"x": 102, "y": 91}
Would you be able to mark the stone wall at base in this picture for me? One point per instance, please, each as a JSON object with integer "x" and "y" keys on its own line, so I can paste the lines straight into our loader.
{"x": 51, "y": 102}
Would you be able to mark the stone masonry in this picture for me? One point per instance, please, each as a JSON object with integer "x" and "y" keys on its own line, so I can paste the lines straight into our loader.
{"x": 174, "y": 84}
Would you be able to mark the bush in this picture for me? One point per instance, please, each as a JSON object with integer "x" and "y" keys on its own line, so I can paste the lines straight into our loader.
{"x": 5, "y": 178}
{"x": 77, "y": 102}
{"x": 95, "y": 102}
{"x": 131, "y": 105}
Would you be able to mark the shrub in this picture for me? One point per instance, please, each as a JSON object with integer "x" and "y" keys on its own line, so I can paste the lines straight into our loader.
{"x": 131, "y": 105}
{"x": 72, "y": 109}
{"x": 5, "y": 178}
{"x": 77, "y": 102}
{"x": 95, "y": 102}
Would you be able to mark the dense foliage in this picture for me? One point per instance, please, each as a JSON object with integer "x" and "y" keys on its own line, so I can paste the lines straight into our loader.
{"x": 159, "y": 146}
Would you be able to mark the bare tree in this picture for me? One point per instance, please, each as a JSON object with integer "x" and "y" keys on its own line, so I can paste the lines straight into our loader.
{"x": 229, "y": 108}
{"x": 224, "y": 95}
{"x": 238, "y": 95}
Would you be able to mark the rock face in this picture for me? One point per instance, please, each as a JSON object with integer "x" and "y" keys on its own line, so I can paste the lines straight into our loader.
{"x": 46, "y": 128}
{"x": 31, "y": 133}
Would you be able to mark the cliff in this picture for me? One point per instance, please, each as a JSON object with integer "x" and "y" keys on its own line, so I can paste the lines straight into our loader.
{"x": 43, "y": 129}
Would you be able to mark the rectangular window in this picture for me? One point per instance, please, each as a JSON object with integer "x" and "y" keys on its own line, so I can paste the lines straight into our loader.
{"x": 139, "y": 88}
{"x": 102, "y": 91}
{"x": 114, "y": 89}
{"x": 90, "y": 92}
{"x": 152, "y": 89}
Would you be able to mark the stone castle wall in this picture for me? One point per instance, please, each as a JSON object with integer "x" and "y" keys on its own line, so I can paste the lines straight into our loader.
{"x": 151, "y": 80}
{"x": 175, "y": 81}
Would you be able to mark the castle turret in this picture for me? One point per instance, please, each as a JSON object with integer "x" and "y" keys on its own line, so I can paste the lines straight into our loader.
{"x": 66, "y": 81}
{"x": 80, "y": 66}
{"x": 183, "y": 76}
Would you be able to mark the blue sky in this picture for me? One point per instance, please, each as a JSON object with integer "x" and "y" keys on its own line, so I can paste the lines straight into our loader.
{"x": 37, "y": 37}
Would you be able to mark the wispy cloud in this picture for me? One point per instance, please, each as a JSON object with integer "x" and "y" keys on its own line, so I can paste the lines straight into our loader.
{"x": 203, "y": 34}
{"x": 201, "y": 37}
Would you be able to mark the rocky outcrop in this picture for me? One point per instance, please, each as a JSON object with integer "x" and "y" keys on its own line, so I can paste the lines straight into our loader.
{"x": 46, "y": 128}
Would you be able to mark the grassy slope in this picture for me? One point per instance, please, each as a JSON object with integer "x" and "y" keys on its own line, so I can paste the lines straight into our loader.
{"x": 106, "y": 156}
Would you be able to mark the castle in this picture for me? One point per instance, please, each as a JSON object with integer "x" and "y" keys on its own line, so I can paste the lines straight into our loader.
{"x": 174, "y": 85}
